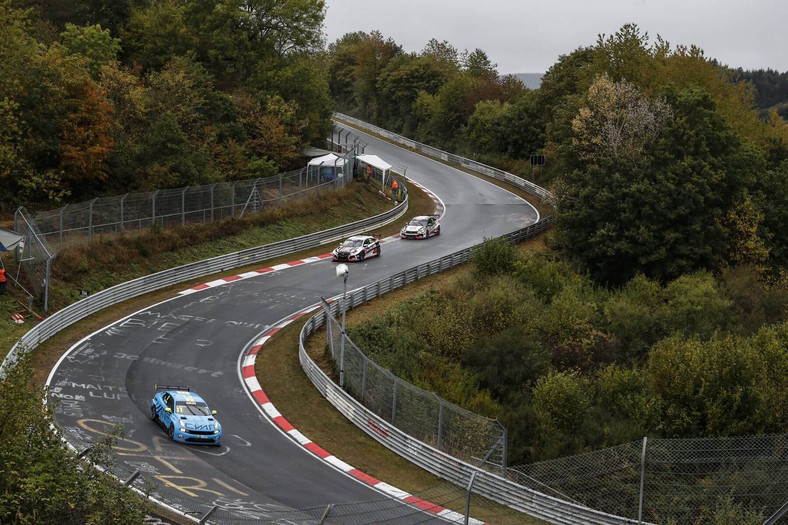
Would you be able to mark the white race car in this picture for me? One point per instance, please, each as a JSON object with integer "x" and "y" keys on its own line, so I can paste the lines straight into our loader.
{"x": 357, "y": 248}
{"x": 421, "y": 227}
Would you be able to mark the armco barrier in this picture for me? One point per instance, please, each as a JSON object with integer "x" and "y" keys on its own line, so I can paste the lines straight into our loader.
{"x": 149, "y": 283}
{"x": 451, "y": 158}
{"x": 439, "y": 463}
{"x": 489, "y": 485}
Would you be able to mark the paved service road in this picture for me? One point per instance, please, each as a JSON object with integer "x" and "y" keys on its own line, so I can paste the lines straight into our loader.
{"x": 197, "y": 339}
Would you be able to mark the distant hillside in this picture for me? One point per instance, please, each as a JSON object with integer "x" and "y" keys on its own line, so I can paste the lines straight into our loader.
{"x": 531, "y": 80}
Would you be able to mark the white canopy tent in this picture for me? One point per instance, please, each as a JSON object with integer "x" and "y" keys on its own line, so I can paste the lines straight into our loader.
{"x": 9, "y": 240}
{"x": 377, "y": 162}
{"x": 326, "y": 167}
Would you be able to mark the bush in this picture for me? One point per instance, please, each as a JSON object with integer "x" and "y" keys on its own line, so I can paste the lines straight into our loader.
{"x": 494, "y": 257}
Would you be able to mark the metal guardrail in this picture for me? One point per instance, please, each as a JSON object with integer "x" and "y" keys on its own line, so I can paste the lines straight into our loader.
{"x": 445, "y": 156}
{"x": 486, "y": 484}
{"x": 156, "y": 281}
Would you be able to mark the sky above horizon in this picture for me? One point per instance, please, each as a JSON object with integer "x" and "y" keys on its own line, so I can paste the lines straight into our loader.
{"x": 528, "y": 36}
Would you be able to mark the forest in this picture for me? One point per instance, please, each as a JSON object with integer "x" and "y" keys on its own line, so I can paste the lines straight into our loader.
{"x": 659, "y": 304}
{"x": 100, "y": 97}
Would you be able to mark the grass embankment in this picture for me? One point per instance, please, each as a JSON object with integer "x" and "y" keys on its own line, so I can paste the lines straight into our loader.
{"x": 290, "y": 390}
{"x": 115, "y": 259}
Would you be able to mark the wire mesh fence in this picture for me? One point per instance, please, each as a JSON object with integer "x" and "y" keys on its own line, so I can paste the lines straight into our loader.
{"x": 34, "y": 255}
{"x": 472, "y": 438}
{"x": 742, "y": 480}
{"x": 80, "y": 223}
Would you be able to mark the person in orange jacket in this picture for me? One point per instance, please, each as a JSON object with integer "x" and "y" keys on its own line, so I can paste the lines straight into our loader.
{"x": 3, "y": 280}
{"x": 395, "y": 189}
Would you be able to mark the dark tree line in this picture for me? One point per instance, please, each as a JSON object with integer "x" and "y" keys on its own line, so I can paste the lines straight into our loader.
{"x": 99, "y": 96}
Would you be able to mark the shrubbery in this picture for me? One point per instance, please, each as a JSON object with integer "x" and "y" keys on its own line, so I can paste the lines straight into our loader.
{"x": 570, "y": 366}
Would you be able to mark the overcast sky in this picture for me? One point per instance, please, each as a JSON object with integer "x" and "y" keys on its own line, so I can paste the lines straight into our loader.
{"x": 527, "y": 36}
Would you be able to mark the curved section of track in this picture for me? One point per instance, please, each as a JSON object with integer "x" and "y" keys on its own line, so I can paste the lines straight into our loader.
{"x": 196, "y": 339}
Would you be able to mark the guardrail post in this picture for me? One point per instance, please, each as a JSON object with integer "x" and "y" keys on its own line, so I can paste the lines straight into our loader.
{"x": 642, "y": 479}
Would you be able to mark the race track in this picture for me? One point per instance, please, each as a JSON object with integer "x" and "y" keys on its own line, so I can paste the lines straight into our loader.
{"x": 196, "y": 340}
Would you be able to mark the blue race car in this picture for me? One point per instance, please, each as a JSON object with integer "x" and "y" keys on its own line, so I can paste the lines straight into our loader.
{"x": 185, "y": 416}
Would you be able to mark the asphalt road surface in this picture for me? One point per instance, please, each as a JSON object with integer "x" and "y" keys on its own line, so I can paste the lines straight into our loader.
{"x": 197, "y": 339}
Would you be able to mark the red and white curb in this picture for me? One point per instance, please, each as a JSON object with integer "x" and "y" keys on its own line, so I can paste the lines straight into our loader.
{"x": 17, "y": 318}
{"x": 247, "y": 372}
{"x": 254, "y": 273}
{"x": 440, "y": 208}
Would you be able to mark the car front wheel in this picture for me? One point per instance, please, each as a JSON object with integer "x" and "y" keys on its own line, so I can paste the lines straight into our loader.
{"x": 153, "y": 414}
{"x": 171, "y": 431}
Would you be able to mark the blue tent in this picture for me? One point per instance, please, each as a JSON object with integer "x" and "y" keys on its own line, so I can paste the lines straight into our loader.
{"x": 9, "y": 240}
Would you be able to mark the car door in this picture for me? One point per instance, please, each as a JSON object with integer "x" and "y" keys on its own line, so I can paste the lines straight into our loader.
{"x": 368, "y": 245}
{"x": 168, "y": 402}
{"x": 430, "y": 226}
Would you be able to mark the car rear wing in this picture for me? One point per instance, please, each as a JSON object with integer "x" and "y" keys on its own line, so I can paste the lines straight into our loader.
{"x": 172, "y": 387}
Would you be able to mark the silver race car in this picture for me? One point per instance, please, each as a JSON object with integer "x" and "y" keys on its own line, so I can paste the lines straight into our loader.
{"x": 357, "y": 248}
{"x": 421, "y": 227}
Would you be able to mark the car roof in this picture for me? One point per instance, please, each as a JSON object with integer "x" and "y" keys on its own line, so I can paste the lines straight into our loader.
{"x": 421, "y": 217}
{"x": 185, "y": 396}
{"x": 359, "y": 237}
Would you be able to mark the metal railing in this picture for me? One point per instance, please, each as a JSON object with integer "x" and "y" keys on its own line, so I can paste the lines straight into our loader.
{"x": 451, "y": 158}
{"x": 423, "y": 415}
{"x": 156, "y": 281}
{"x": 80, "y": 222}
{"x": 493, "y": 487}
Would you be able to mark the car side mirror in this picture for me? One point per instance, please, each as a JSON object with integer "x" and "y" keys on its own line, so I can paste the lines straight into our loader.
{"x": 213, "y": 412}
{"x": 168, "y": 410}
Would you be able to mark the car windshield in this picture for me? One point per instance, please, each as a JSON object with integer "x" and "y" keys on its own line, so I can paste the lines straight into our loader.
{"x": 352, "y": 243}
{"x": 192, "y": 409}
{"x": 418, "y": 222}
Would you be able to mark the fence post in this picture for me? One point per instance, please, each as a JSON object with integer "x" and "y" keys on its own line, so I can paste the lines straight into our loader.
{"x": 468, "y": 497}
{"x": 394, "y": 401}
{"x": 232, "y": 201}
{"x": 90, "y": 221}
{"x": 440, "y": 420}
{"x": 505, "y": 453}
{"x": 60, "y": 242}
{"x": 122, "y": 211}
{"x": 642, "y": 479}
{"x": 183, "y": 206}
{"x": 212, "y": 206}
{"x": 363, "y": 379}
{"x": 153, "y": 208}
{"x": 46, "y": 284}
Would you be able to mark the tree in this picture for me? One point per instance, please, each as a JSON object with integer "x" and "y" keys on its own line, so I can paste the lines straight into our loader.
{"x": 478, "y": 65}
{"x": 617, "y": 123}
{"x": 42, "y": 481}
{"x": 93, "y": 43}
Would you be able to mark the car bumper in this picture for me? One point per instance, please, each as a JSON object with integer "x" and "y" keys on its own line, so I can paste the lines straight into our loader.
{"x": 198, "y": 439}
{"x": 348, "y": 258}
{"x": 412, "y": 235}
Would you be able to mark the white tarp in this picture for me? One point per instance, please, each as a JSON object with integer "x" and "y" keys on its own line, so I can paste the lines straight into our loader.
{"x": 9, "y": 240}
{"x": 375, "y": 162}
{"x": 328, "y": 160}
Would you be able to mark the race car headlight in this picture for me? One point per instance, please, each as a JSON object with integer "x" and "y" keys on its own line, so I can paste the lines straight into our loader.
{"x": 422, "y": 230}
{"x": 215, "y": 431}
{"x": 183, "y": 429}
